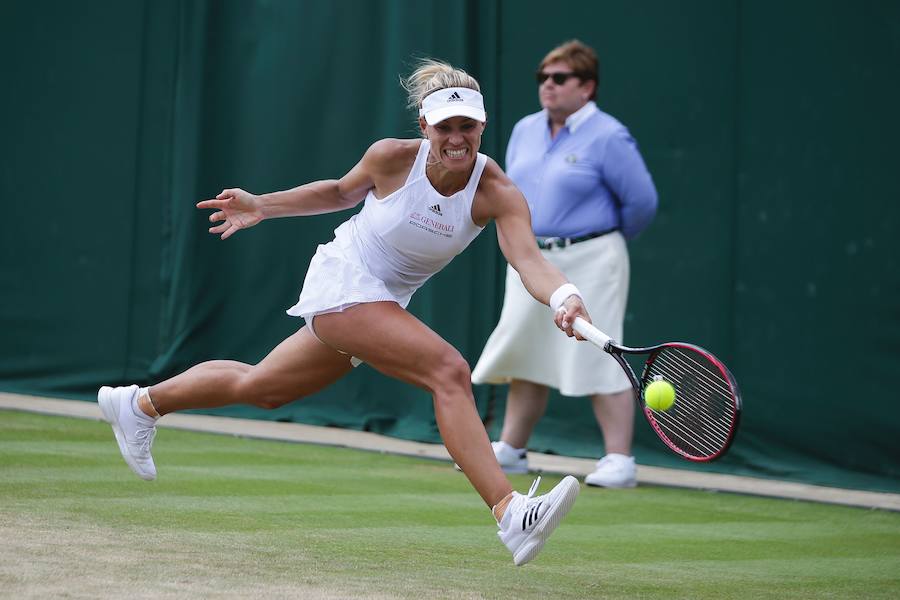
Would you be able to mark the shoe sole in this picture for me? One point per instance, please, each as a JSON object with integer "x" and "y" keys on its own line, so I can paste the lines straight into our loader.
{"x": 549, "y": 523}
{"x": 514, "y": 470}
{"x": 110, "y": 409}
{"x": 628, "y": 485}
{"x": 507, "y": 470}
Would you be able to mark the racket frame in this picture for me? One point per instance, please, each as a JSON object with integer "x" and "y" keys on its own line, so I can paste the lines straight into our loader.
{"x": 618, "y": 352}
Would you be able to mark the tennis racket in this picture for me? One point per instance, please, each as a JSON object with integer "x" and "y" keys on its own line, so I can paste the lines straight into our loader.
{"x": 703, "y": 421}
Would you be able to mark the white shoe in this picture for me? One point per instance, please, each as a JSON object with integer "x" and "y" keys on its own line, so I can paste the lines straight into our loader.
{"x": 614, "y": 471}
{"x": 512, "y": 460}
{"x": 133, "y": 432}
{"x": 528, "y": 522}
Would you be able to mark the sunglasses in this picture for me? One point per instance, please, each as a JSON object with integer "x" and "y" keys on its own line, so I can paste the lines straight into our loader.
{"x": 558, "y": 78}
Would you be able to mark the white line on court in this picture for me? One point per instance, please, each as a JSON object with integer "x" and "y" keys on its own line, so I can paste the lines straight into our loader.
{"x": 331, "y": 436}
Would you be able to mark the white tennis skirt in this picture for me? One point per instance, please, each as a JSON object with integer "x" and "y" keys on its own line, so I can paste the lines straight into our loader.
{"x": 526, "y": 343}
{"x": 336, "y": 280}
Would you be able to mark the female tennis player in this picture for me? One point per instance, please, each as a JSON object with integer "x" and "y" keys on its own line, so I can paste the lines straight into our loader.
{"x": 424, "y": 200}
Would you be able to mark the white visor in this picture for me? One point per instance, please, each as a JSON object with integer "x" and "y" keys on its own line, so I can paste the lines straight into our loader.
{"x": 452, "y": 102}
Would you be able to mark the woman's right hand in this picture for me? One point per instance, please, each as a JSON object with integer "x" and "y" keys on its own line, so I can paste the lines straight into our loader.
{"x": 236, "y": 208}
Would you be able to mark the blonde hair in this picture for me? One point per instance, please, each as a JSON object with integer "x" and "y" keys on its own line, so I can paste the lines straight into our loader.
{"x": 432, "y": 75}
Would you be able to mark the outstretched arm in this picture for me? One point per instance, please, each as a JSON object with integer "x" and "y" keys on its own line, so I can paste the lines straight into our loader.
{"x": 238, "y": 209}
{"x": 541, "y": 278}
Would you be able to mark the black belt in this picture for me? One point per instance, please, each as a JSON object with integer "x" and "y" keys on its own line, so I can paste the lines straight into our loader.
{"x": 549, "y": 243}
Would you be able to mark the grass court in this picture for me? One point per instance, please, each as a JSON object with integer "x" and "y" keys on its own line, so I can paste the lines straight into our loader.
{"x": 233, "y": 518}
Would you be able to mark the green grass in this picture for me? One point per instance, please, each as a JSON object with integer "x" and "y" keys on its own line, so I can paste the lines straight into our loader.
{"x": 231, "y": 517}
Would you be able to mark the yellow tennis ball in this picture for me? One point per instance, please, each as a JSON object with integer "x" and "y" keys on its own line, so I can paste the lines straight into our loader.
{"x": 659, "y": 395}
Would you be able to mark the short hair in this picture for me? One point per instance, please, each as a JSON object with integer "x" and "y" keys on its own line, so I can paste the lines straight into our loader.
{"x": 432, "y": 75}
{"x": 580, "y": 57}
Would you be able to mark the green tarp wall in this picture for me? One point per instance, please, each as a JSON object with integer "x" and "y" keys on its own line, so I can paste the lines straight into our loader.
{"x": 770, "y": 129}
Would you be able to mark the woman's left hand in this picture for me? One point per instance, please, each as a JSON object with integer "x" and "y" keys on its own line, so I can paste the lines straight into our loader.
{"x": 565, "y": 316}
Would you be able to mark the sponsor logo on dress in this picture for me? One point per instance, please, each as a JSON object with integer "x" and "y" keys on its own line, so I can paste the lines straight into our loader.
{"x": 436, "y": 209}
{"x": 417, "y": 219}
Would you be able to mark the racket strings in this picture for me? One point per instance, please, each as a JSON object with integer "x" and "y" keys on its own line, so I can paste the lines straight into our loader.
{"x": 698, "y": 426}
{"x": 692, "y": 430}
{"x": 700, "y": 422}
{"x": 690, "y": 401}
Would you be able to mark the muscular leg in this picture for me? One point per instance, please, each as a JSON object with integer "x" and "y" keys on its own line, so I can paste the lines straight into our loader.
{"x": 396, "y": 343}
{"x": 615, "y": 415}
{"x": 298, "y": 366}
{"x": 525, "y": 405}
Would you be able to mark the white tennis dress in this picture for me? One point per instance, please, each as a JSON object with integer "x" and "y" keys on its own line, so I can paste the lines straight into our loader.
{"x": 392, "y": 246}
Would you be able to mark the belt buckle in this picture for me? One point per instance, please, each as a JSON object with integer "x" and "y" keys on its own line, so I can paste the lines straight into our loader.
{"x": 553, "y": 243}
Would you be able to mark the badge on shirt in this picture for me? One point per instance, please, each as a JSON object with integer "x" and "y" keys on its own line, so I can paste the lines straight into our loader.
{"x": 571, "y": 159}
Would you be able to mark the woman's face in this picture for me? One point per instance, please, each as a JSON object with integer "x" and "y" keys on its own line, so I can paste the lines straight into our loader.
{"x": 565, "y": 98}
{"x": 454, "y": 141}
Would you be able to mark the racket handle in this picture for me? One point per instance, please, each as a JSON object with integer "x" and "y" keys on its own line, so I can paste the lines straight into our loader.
{"x": 590, "y": 333}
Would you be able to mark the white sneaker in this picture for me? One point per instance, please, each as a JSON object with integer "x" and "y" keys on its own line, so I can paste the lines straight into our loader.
{"x": 134, "y": 432}
{"x": 614, "y": 471}
{"x": 512, "y": 460}
{"x": 528, "y": 522}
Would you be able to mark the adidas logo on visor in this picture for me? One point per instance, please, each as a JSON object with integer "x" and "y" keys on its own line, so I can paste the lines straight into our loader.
{"x": 452, "y": 102}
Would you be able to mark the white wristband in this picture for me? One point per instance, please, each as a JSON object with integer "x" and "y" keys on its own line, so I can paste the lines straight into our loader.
{"x": 560, "y": 295}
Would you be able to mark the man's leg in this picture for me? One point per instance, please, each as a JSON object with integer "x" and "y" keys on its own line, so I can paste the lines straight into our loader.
{"x": 615, "y": 415}
{"x": 525, "y": 405}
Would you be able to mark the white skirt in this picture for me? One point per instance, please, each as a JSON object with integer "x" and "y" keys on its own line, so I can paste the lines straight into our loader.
{"x": 526, "y": 343}
{"x": 336, "y": 280}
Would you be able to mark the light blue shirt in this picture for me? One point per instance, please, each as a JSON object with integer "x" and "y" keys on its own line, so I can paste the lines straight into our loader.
{"x": 590, "y": 178}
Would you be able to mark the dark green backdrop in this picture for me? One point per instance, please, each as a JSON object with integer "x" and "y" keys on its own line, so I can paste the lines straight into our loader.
{"x": 769, "y": 127}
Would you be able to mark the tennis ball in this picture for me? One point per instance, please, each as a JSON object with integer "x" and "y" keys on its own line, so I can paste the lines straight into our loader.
{"x": 659, "y": 395}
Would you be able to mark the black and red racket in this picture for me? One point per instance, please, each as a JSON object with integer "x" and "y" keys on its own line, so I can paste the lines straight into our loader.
{"x": 702, "y": 422}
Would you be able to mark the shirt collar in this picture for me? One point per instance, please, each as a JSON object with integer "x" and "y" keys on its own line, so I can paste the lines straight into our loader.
{"x": 577, "y": 118}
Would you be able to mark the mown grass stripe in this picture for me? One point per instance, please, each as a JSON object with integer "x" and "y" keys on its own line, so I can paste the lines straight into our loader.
{"x": 231, "y": 517}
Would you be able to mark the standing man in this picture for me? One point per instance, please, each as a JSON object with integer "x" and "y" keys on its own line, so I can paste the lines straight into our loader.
{"x": 589, "y": 191}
